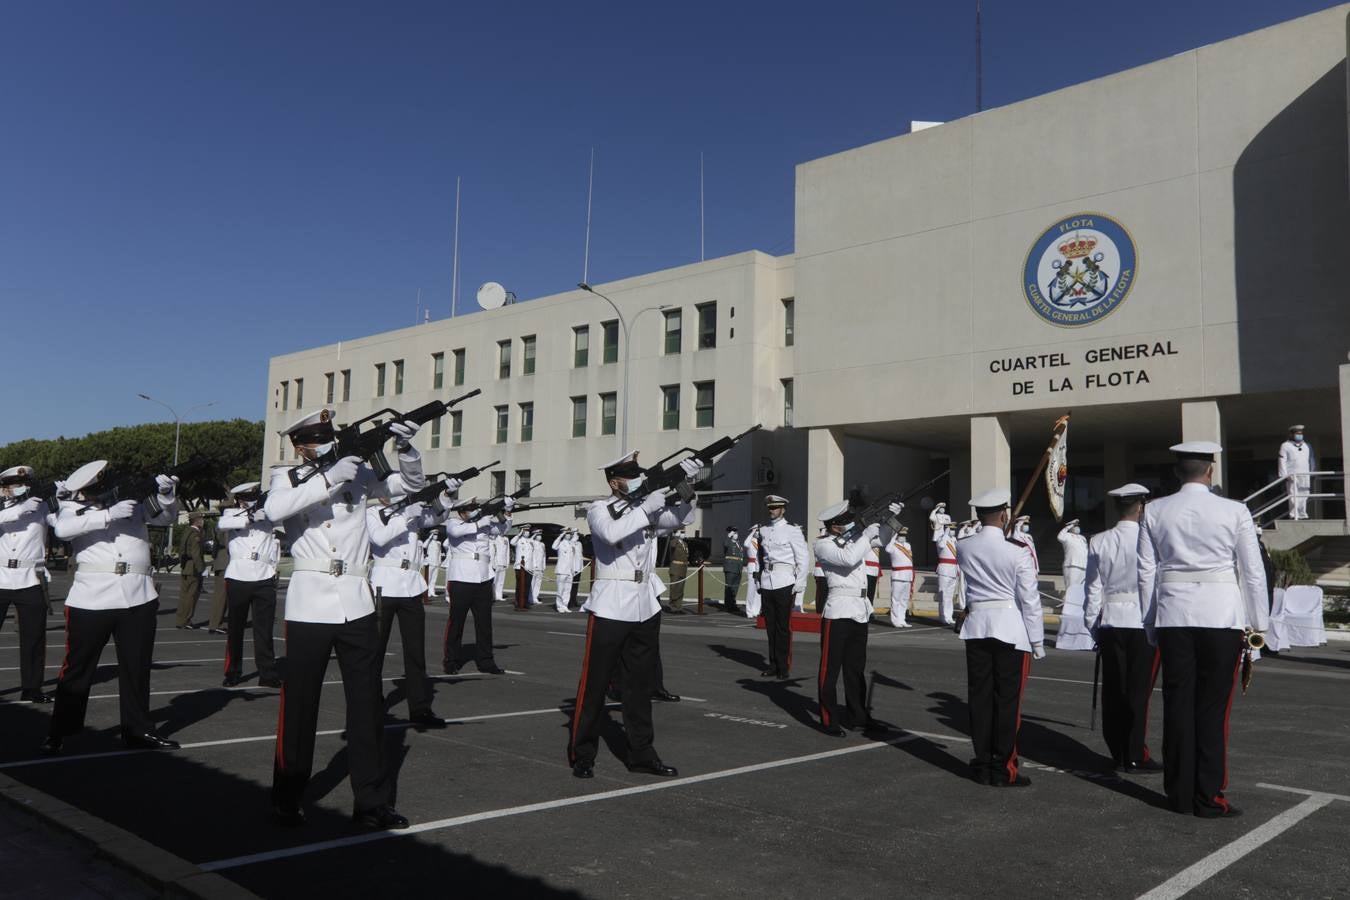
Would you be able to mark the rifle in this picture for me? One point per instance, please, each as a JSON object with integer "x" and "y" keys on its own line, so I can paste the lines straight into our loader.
{"x": 432, "y": 490}
{"x": 42, "y": 490}
{"x": 497, "y": 505}
{"x": 350, "y": 440}
{"x": 142, "y": 487}
{"x": 671, "y": 477}
{"x": 878, "y": 512}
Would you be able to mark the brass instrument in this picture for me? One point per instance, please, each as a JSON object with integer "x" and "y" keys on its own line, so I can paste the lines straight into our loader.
{"x": 1251, "y": 640}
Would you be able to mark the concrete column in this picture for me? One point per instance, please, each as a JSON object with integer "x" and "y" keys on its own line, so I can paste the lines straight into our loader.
{"x": 1201, "y": 421}
{"x": 824, "y": 472}
{"x": 990, "y": 458}
{"x": 1115, "y": 471}
{"x": 960, "y": 485}
{"x": 1345, "y": 437}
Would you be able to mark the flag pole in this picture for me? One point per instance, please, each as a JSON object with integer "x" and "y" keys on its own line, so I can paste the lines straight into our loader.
{"x": 1060, "y": 424}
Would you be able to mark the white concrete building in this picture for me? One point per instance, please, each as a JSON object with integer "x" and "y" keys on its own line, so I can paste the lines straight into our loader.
{"x": 1157, "y": 252}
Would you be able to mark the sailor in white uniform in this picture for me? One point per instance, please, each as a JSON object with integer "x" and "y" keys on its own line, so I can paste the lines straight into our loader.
{"x": 538, "y": 562}
{"x": 562, "y": 569}
{"x": 469, "y": 580}
{"x": 783, "y": 565}
{"x": 499, "y": 556}
{"x": 750, "y": 546}
{"x": 944, "y": 540}
{"x": 1003, "y": 631}
{"x": 23, "y": 554}
{"x": 250, "y": 584}
{"x": 113, "y": 596}
{"x": 1114, "y": 614}
{"x": 901, "y": 558}
{"x": 1202, "y": 584}
{"x": 432, "y": 549}
{"x": 624, "y": 630}
{"x": 1296, "y": 460}
{"x": 1073, "y": 634}
{"x": 330, "y": 610}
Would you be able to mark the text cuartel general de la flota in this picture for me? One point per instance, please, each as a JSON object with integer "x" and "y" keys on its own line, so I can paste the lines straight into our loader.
{"x": 1093, "y": 355}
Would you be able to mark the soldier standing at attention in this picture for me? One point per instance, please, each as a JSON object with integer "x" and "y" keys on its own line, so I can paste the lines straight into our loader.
{"x": 944, "y": 540}
{"x": 194, "y": 564}
{"x": 23, "y": 552}
{"x": 902, "y": 576}
{"x": 330, "y": 609}
{"x": 1003, "y": 630}
{"x": 1296, "y": 461}
{"x": 250, "y": 586}
{"x": 1202, "y": 584}
{"x": 784, "y": 565}
{"x": 678, "y": 551}
{"x": 733, "y": 561}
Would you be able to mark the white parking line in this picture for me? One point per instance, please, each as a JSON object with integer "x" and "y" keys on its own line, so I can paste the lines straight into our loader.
{"x": 442, "y": 824}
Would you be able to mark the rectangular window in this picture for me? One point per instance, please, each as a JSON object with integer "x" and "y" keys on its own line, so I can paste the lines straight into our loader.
{"x": 670, "y": 407}
{"x": 526, "y": 422}
{"x": 346, "y": 385}
{"x": 581, "y": 346}
{"x": 285, "y": 396}
{"x": 436, "y": 433}
{"x": 504, "y": 359}
{"x": 379, "y": 379}
{"x": 459, "y": 367}
{"x": 329, "y": 385}
{"x": 707, "y": 326}
{"x": 398, "y": 376}
{"x": 704, "y": 398}
{"x": 299, "y": 393}
{"x": 578, "y": 417}
{"x": 674, "y": 330}
{"x": 523, "y": 482}
{"x": 527, "y": 355}
{"x": 437, "y": 371}
{"x": 789, "y": 321}
{"x": 456, "y": 428}
{"x": 609, "y": 413}
{"x": 503, "y": 423}
{"x": 609, "y": 341}
{"x": 498, "y": 482}
{"x": 787, "y": 402}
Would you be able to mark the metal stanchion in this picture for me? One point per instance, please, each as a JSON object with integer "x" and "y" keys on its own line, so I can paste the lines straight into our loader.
{"x": 520, "y": 588}
{"x": 700, "y": 589}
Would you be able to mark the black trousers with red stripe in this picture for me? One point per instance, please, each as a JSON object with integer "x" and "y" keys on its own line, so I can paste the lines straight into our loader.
{"x": 632, "y": 649}
{"x": 776, "y": 605}
{"x": 1199, "y": 671}
{"x": 843, "y": 646}
{"x": 30, "y": 608}
{"x": 308, "y": 647}
{"x": 467, "y": 597}
{"x": 260, "y": 598}
{"x": 996, "y": 674}
{"x": 87, "y": 633}
{"x": 412, "y": 629}
{"x": 1129, "y": 669}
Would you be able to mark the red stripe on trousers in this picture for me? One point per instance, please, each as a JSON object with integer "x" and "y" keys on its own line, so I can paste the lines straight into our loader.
{"x": 1152, "y": 680}
{"x": 65, "y": 661}
{"x": 820, "y": 681}
{"x": 1227, "y": 712}
{"x": 1017, "y": 728}
{"x": 581, "y": 691}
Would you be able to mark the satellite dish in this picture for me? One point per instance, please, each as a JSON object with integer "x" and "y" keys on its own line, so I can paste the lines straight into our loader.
{"x": 492, "y": 296}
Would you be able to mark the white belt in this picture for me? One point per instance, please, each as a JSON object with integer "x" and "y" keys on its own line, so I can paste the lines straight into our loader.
{"x": 773, "y": 566}
{"x": 1222, "y": 576}
{"x": 1130, "y": 598}
{"x": 392, "y": 563}
{"x": 454, "y": 555}
{"x": 338, "y": 568}
{"x": 111, "y": 569}
{"x": 23, "y": 563}
{"x": 846, "y": 593}
{"x": 612, "y": 573}
{"x": 991, "y": 604}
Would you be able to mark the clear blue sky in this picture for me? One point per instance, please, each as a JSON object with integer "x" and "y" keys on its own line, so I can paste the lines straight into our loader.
{"x": 189, "y": 188}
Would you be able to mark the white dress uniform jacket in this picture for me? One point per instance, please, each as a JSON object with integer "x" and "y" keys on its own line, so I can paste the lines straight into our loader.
{"x": 253, "y": 545}
{"x": 431, "y": 551}
{"x": 102, "y": 545}
{"x": 1075, "y": 556}
{"x": 1001, "y": 597}
{"x": 468, "y": 552}
{"x": 23, "y": 544}
{"x": 1295, "y": 458}
{"x": 626, "y": 587}
{"x": 1113, "y": 579}
{"x": 564, "y": 566}
{"x": 782, "y": 547}
{"x": 396, "y": 551}
{"x": 846, "y": 576}
{"x": 326, "y": 529}
{"x": 1199, "y": 563}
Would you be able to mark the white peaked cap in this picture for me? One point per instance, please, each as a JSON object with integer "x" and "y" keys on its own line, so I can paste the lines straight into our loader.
{"x": 1197, "y": 449}
{"x": 318, "y": 417}
{"x": 995, "y": 498}
{"x": 1295, "y": 427}
{"x": 16, "y": 472}
{"x": 1129, "y": 490}
{"x": 86, "y": 475}
{"x": 775, "y": 500}
{"x": 245, "y": 487}
{"x": 833, "y": 511}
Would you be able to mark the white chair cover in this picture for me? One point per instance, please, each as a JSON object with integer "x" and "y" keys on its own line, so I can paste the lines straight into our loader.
{"x": 1073, "y": 633}
{"x": 1297, "y": 618}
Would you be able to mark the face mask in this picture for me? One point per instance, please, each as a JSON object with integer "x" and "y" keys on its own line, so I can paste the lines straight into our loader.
{"x": 1298, "y": 439}
{"x": 733, "y": 535}
{"x": 634, "y": 484}
{"x": 323, "y": 449}
{"x": 19, "y": 490}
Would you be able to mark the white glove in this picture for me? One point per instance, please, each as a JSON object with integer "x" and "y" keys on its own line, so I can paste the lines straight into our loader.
{"x": 509, "y": 504}
{"x": 403, "y": 433}
{"x": 166, "y": 484}
{"x": 691, "y": 467}
{"x": 123, "y": 509}
{"x": 871, "y": 531}
{"x": 413, "y": 510}
{"x": 896, "y": 507}
{"x": 61, "y": 489}
{"x": 342, "y": 471}
{"x": 654, "y": 502}
{"x": 453, "y": 484}
{"x": 1038, "y": 650}
{"x": 446, "y": 500}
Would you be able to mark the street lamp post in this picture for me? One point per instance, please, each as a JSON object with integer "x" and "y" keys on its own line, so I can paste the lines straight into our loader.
{"x": 177, "y": 421}
{"x": 627, "y": 351}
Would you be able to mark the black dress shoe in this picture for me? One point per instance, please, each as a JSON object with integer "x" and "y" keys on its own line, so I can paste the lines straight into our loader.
{"x": 655, "y": 767}
{"x": 614, "y": 696}
{"x": 834, "y": 731}
{"x": 452, "y": 668}
{"x": 583, "y": 770}
{"x": 270, "y": 681}
{"x": 1003, "y": 781}
{"x": 665, "y": 696}
{"x": 232, "y": 681}
{"x": 492, "y": 669}
{"x": 290, "y": 816}
{"x": 51, "y": 747}
{"x": 980, "y": 775}
{"x": 37, "y": 697}
{"x": 427, "y": 717}
{"x": 1212, "y": 812}
{"x": 148, "y": 741}
{"x": 768, "y": 673}
{"x": 188, "y": 627}
{"x": 381, "y": 818}
{"x": 1146, "y": 767}
{"x": 783, "y": 675}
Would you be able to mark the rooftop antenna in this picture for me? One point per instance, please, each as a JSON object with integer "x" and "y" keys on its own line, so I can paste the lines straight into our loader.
{"x": 701, "y": 257}
{"x": 417, "y": 317}
{"x": 454, "y": 276}
{"x": 493, "y": 296}
{"x": 979, "y": 57}
{"x": 586, "y": 256}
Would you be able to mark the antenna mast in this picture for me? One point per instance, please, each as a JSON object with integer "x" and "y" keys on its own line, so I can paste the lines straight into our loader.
{"x": 586, "y": 255}
{"x": 454, "y": 276}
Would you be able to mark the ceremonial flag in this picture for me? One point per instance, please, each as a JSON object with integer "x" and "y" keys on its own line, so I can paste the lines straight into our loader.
{"x": 1057, "y": 467}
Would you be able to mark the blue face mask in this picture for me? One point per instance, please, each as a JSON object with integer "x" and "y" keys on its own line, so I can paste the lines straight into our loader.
{"x": 1298, "y": 439}
{"x": 634, "y": 484}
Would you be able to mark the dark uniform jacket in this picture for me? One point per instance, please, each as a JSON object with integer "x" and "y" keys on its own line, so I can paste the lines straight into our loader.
{"x": 190, "y": 551}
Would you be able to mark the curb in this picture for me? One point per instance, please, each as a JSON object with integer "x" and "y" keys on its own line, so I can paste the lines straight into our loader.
{"x": 161, "y": 870}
